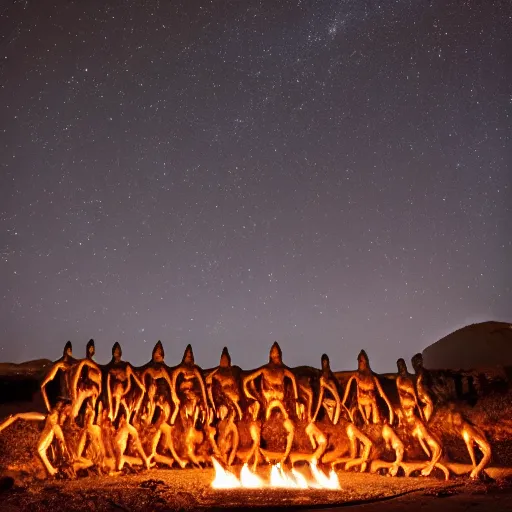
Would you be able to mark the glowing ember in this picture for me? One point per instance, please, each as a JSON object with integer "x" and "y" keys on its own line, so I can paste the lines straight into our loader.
{"x": 279, "y": 479}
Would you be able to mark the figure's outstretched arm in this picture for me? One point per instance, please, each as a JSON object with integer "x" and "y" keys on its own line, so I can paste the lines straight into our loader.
{"x": 35, "y": 416}
{"x": 385, "y": 398}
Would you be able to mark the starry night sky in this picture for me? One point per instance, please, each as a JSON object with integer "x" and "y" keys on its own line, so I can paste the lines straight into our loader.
{"x": 334, "y": 175}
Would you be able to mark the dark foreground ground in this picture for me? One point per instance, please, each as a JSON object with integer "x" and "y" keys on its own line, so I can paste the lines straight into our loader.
{"x": 159, "y": 490}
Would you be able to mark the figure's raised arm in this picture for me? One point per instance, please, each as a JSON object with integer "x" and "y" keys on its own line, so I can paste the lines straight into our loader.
{"x": 249, "y": 378}
{"x": 109, "y": 397}
{"x": 309, "y": 394}
{"x": 320, "y": 398}
{"x": 291, "y": 376}
{"x": 199, "y": 377}
{"x": 385, "y": 398}
{"x": 49, "y": 377}
{"x": 174, "y": 380}
{"x": 347, "y": 389}
{"x": 209, "y": 386}
{"x": 334, "y": 391}
{"x": 76, "y": 378}
{"x": 139, "y": 383}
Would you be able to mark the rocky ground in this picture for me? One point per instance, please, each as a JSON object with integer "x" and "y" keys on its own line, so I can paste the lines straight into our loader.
{"x": 189, "y": 489}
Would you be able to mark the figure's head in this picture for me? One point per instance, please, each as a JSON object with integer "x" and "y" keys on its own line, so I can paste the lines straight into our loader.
{"x": 117, "y": 352}
{"x": 188, "y": 356}
{"x": 326, "y": 365}
{"x": 160, "y": 399}
{"x": 276, "y": 354}
{"x": 158, "y": 353}
{"x": 225, "y": 358}
{"x": 68, "y": 349}
{"x": 417, "y": 362}
{"x": 90, "y": 349}
{"x": 402, "y": 367}
{"x": 223, "y": 412}
{"x": 363, "y": 361}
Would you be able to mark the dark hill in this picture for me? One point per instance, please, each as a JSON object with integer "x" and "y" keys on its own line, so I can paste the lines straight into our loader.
{"x": 481, "y": 345}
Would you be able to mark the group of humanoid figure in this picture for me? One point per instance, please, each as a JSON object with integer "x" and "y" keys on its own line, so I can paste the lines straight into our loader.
{"x": 108, "y": 416}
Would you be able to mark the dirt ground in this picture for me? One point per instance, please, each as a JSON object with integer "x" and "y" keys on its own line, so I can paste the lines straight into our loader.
{"x": 162, "y": 490}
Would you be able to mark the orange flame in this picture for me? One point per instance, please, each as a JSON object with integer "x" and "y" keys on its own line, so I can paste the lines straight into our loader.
{"x": 279, "y": 478}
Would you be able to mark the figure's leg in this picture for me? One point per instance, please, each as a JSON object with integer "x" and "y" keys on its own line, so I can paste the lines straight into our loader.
{"x": 82, "y": 463}
{"x": 471, "y": 450}
{"x": 356, "y": 436}
{"x": 232, "y": 454}
{"x": 140, "y": 450}
{"x": 169, "y": 443}
{"x": 424, "y": 446}
{"x": 396, "y": 444}
{"x": 319, "y": 439}
{"x": 290, "y": 428}
{"x": 59, "y": 435}
{"x": 44, "y": 442}
{"x": 485, "y": 448}
{"x": 191, "y": 446}
{"x": 162, "y": 459}
{"x": 119, "y": 449}
{"x": 257, "y": 457}
{"x": 154, "y": 443}
{"x": 436, "y": 455}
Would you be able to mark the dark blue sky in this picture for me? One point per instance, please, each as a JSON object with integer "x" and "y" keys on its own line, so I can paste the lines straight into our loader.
{"x": 333, "y": 175}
